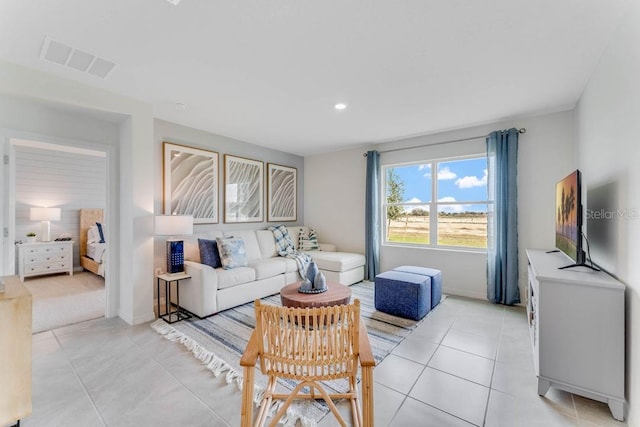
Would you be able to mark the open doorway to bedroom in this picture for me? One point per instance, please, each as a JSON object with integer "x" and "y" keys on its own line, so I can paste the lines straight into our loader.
{"x": 73, "y": 181}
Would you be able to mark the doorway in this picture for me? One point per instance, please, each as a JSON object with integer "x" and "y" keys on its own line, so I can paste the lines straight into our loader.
{"x": 68, "y": 177}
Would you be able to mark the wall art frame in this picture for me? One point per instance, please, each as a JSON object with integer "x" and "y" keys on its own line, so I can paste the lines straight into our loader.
{"x": 282, "y": 193}
{"x": 190, "y": 182}
{"x": 243, "y": 189}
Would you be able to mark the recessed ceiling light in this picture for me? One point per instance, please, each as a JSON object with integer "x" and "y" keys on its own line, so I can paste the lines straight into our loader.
{"x": 340, "y": 106}
{"x": 174, "y": 2}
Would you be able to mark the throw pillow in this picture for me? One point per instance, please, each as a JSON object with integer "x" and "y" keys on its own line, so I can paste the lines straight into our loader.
{"x": 232, "y": 253}
{"x": 209, "y": 254}
{"x": 308, "y": 242}
{"x": 284, "y": 244}
{"x": 100, "y": 231}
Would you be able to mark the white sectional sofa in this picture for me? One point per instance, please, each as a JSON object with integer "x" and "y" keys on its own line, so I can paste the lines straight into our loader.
{"x": 211, "y": 290}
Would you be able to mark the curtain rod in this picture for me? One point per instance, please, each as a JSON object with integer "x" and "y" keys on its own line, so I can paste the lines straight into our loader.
{"x": 521, "y": 130}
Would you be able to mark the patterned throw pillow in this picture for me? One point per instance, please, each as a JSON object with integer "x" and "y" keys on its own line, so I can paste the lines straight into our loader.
{"x": 209, "y": 254}
{"x": 308, "y": 242}
{"x": 232, "y": 253}
{"x": 284, "y": 244}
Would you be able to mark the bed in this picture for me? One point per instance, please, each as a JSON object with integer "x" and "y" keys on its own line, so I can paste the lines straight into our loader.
{"x": 92, "y": 251}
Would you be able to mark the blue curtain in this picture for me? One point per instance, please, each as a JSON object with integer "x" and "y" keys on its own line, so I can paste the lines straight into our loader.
{"x": 372, "y": 216}
{"x": 502, "y": 226}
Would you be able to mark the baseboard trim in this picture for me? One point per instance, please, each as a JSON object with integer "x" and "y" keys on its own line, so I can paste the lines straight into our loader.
{"x": 464, "y": 293}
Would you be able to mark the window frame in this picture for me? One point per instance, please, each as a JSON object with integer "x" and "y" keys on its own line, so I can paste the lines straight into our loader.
{"x": 432, "y": 205}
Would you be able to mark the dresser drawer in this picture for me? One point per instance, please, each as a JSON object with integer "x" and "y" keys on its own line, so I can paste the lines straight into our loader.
{"x": 48, "y": 249}
{"x": 44, "y": 268}
{"x": 45, "y": 258}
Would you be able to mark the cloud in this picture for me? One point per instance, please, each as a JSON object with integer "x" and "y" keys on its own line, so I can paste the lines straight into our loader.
{"x": 450, "y": 208}
{"x": 446, "y": 174}
{"x": 472, "y": 181}
{"x": 428, "y": 168}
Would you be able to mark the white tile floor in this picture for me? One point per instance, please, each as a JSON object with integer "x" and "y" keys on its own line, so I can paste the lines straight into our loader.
{"x": 469, "y": 363}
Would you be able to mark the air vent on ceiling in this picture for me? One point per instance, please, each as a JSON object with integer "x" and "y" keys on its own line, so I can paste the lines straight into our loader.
{"x": 77, "y": 59}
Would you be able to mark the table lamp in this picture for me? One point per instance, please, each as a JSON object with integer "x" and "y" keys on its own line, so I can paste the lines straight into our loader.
{"x": 173, "y": 226}
{"x": 46, "y": 215}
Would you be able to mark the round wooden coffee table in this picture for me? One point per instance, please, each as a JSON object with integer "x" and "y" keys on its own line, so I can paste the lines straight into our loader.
{"x": 337, "y": 294}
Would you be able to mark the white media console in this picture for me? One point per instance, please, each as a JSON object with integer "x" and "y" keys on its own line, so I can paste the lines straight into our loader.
{"x": 576, "y": 321}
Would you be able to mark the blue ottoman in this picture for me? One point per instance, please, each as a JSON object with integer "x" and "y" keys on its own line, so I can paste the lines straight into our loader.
{"x": 403, "y": 294}
{"x": 436, "y": 280}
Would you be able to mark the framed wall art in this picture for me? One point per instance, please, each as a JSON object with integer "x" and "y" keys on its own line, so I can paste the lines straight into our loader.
{"x": 282, "y": 197}
{"x": 243, "y": 189}
{"x": 190, "y": 182}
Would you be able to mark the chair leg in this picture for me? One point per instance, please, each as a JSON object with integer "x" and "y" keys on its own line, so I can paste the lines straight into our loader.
{"x": 247, "y": 397}
{"x": 367, "y": 396}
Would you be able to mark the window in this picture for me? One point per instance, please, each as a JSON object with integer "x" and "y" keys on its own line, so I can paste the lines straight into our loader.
{"x": 456, "y": 189}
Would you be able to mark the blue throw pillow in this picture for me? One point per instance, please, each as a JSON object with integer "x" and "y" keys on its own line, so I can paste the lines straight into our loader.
{"x": 100, "y": 232}
{"x": 232, "y": 253}
{"x": 209, "y": 254}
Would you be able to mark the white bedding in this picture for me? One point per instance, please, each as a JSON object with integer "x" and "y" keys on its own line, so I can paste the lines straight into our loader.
{"x": 95, "y": 251}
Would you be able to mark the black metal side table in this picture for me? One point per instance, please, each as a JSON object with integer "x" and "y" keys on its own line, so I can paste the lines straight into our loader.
{"x": 178, "y": 314}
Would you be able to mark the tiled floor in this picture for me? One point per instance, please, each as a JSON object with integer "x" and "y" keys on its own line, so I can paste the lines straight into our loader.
{"x": 469, "y": 363}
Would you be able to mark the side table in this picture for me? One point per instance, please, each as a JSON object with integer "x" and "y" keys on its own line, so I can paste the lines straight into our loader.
{"x": 178, "y": 314}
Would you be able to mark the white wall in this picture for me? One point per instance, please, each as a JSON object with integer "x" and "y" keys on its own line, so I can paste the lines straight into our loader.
{"x": 608, "y": 128}
{"x": 546, "y": 154}
{"x": 129, "y": 197}
{"x": 170, "y": 132}
{"x": 334, "y": 204}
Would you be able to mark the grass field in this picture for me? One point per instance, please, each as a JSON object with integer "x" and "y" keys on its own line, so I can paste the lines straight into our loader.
{"x": 467, "y": 231}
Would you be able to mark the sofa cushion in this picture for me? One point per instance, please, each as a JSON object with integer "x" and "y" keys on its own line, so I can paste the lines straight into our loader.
{"x": 232, "y": 253}
{"x": 209, "y": 254}
{"x": 236, "y": 276}
{"x": 269, "y": 267}
{"x": 337, "y": 261}
{"x": 266, "y": 243}
{"x": 250, "y": 242}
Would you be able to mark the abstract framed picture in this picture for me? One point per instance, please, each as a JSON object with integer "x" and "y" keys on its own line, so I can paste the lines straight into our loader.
{"x": 282, "y": 196}
{"x": 191, "y": 183}
{"x": 243, "y": 189}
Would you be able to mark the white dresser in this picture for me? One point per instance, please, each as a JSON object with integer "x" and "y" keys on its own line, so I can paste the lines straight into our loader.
{"x": 35, "y": 259}
{"x": 577, "y": 324}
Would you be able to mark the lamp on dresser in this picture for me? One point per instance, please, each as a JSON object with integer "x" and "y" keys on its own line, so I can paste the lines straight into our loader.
{"x": 174, "y": 226}
{"x": 46, "y": 215}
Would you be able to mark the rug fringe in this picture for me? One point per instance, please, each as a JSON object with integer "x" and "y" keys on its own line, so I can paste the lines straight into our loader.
{"x": 218, "y": 366}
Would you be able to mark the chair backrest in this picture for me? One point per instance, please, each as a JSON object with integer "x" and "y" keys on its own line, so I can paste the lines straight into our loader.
{"x": 319, "y": 343}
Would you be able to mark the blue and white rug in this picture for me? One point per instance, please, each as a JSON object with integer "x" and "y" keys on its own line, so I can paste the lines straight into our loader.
{"x": 218, "y": 342}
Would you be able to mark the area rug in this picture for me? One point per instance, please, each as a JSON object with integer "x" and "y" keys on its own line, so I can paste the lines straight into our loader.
{"x": 218, "y": 342}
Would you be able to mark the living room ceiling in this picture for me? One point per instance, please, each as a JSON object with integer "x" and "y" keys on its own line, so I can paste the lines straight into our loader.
{"x": 270, "y": 72}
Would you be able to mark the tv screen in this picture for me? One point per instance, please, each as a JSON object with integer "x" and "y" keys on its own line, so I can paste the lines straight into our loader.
{"x": 569, "y": 216}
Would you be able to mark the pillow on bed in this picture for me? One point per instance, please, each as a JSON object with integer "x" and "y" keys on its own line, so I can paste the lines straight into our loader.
{"x": 100, "y": 231}
{"x": 93, "y": 236}
{"x": 209, "y": 254}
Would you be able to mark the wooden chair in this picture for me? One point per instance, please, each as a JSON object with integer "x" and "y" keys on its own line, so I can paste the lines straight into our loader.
{"x": 309, "y": 345}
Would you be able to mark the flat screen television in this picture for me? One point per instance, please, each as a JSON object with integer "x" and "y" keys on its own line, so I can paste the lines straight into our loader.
{"x": 569, "y": 218}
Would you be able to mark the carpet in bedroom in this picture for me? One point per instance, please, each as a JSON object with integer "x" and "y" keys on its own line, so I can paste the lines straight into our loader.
{"x": 60, "y": 300}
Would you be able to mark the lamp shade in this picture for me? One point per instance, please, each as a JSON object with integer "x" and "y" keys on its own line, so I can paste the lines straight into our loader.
{"x": 173, "y": 225}
{"x": 44, "y": 214}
